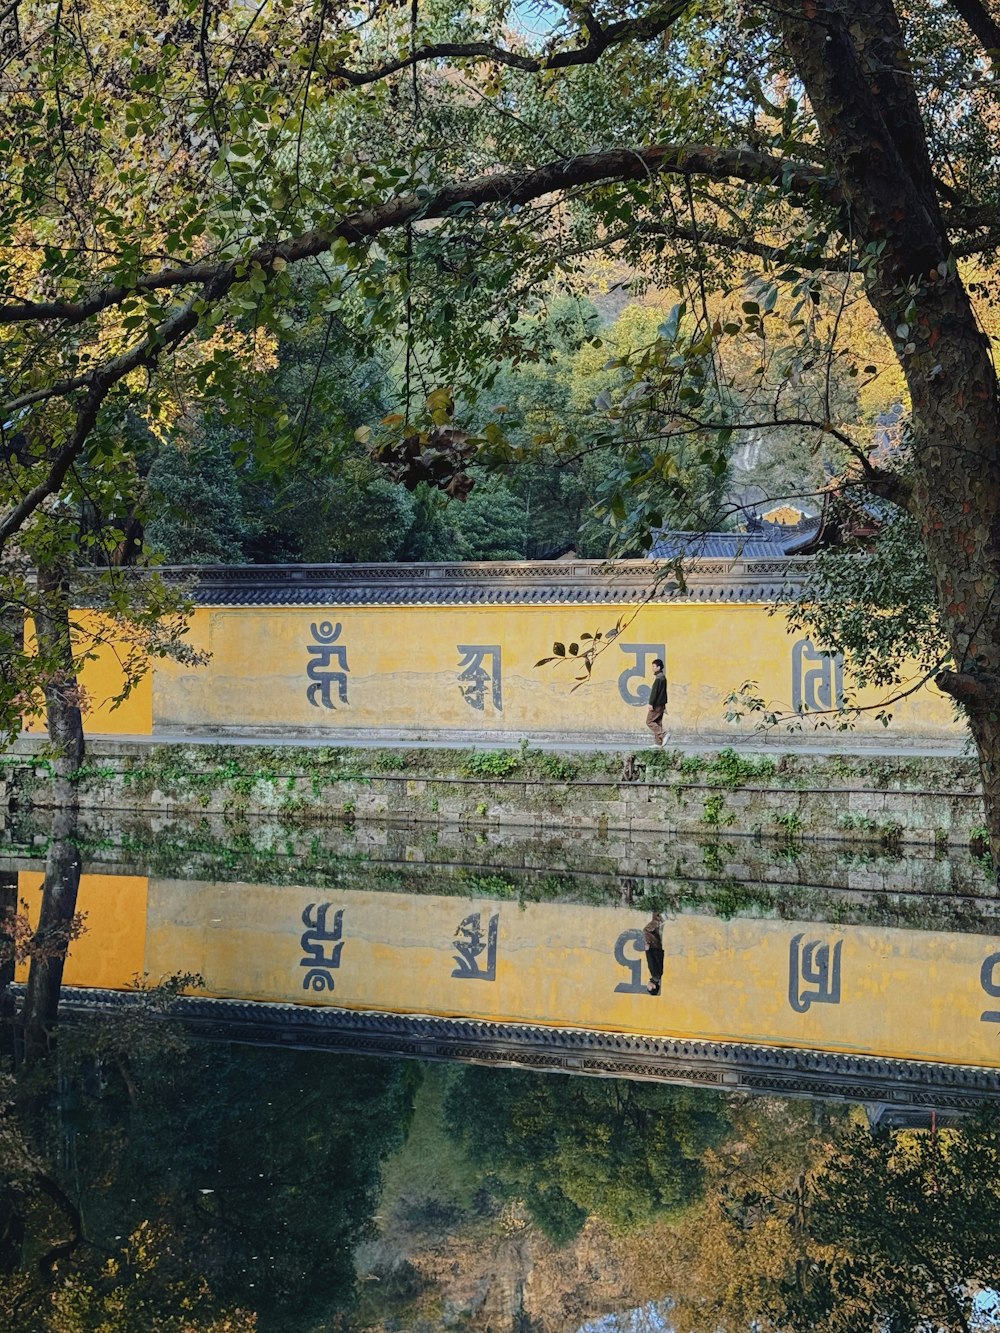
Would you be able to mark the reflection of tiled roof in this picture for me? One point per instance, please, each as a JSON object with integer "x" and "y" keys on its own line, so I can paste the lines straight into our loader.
{"x": 784, "y": 1071}
{"x": 763, "y": 541}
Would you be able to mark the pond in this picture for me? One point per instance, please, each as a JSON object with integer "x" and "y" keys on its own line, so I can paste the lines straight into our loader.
{"x": 478, "y": 1117}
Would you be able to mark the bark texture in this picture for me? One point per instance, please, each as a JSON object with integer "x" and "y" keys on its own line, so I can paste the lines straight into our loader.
{"x": 62, "y": 866}
{"x": 58, "y": 908}
{"x": 851, "y": 56}
{"x": 62, "y": 695}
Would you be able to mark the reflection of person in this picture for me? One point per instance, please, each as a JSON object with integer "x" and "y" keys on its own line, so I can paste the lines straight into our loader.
{"x": 657, "y": 702}
{"x": 652, "y": 939}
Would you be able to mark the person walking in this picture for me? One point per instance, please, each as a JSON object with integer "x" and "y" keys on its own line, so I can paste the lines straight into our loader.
{"x": 652, "y": 939}
{"x": 657, "y": 702}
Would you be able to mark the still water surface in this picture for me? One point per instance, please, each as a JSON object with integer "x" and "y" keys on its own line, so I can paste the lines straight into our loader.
{"x": 152, "y": 1179}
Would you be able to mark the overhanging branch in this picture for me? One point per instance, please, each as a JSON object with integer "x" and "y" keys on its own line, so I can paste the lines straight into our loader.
{"x": 715, "y": 237}
{"x": 99, "y": 384}
{"x": 598, "y": 40}
{"x": 980, "y": 21}
{"x": 503, "y": 189}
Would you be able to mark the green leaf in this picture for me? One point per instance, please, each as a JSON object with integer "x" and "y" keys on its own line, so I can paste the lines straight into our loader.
{"x": 669, "y": 328}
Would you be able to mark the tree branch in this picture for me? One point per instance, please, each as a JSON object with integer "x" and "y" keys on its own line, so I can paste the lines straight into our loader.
{"x": 980, "y": 22}
{"x": 598, "y": 41}
{"x": 499, "y": 188}
{"x": 715, "y": 237}
{"x": 99, "y": 384}
{"x": 61, "y": 1249}
{"x": 969, "y": 688}
{"x": 889, "y": 485}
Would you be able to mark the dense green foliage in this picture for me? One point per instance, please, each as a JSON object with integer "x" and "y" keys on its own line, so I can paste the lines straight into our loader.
{"x": 571, "y": 1147}
{"x": 332, "y": 502}
{"x": 209, "y": 1180}
{"x": 875, "y": 602}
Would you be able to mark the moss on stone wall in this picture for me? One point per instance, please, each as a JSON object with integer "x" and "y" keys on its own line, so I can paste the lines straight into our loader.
{"x": 881, "y": 800}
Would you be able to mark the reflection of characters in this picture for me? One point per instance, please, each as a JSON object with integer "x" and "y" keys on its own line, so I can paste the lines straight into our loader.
{"x": 471, "y": 944}
{"x": 322, "y": 946}
{"x": 813, "y": 973}
{"x": 990, "y": 986}
{"x": 652, "y": 938}
{"x": 657, "y": 702}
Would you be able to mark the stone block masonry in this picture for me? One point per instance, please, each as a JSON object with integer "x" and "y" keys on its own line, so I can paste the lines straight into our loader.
{"x": 882, "y": 800}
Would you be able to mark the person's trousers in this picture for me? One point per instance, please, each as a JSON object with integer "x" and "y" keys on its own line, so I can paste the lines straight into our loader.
{"x": 654, "y": 961}
{"x": 654, "y": 721}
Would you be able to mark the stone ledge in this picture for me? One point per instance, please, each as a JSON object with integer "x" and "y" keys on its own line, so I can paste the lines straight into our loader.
{"x": 885, "y": 799}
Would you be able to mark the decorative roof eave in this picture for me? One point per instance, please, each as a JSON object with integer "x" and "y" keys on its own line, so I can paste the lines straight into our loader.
{"x": 499, "y": 583}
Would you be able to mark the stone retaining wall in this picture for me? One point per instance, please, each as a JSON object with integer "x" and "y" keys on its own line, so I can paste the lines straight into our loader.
{"x": 884, "y": 800}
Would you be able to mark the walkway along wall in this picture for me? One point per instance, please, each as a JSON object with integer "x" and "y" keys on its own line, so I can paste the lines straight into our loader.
{"x": 449, "y": 652}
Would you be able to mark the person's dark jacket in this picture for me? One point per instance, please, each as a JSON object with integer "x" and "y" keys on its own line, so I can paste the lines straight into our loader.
{"x": 658, "y": 691}
{"x": 652, "y": 933}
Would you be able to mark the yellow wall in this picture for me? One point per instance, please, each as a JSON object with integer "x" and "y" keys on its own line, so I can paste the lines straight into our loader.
{"x": 403, "y": 668}
{"x": 112, "y": 949}
{"x": 102, "y": 679}
{"x": 907, "y": 994}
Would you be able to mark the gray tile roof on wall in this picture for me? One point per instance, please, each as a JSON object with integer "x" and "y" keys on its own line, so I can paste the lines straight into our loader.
{"x": 731, "y": 1066}
{"x": 501, "y": 583}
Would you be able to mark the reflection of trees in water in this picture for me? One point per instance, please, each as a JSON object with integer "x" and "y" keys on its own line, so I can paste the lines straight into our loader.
{"x": 895, "y": 1230}
{"x": 210, "y": 1181}
{"x": 571, "y": 1146}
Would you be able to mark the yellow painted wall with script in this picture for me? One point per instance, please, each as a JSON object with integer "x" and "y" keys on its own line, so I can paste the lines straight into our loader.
{"x": 102, "y": 680}
{"x": 473, "y": 668}
{"x": 111, "y": 951}
{"x": 437, "y": 669}
{"x": 916, "y": 995}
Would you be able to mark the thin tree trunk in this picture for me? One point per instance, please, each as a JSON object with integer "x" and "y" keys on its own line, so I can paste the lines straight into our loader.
{"x": 59, "y": 893}
{"x": 62, "y": 698}
{"x": 62, "y": 866}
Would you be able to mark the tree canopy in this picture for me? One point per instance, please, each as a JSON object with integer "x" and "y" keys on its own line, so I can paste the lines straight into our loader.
{"x": 185, "y": 185}
{"x": 858, "y": 1230}
{"x": 572, "y": 1147}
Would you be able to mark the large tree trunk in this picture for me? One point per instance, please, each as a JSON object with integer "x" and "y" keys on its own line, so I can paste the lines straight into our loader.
{"x": 62, "y": 866}
{"x": 851, "y": 57}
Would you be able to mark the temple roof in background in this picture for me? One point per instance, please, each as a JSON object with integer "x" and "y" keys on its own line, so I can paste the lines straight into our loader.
{"x": 761, "y": 541}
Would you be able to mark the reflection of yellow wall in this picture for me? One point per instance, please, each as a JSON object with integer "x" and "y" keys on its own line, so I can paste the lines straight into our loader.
{"x": 403, "y": 668}
{"x": 112, "y": 949}
{"x": 102, "y": 680}
{"x": 906, "y": 994}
